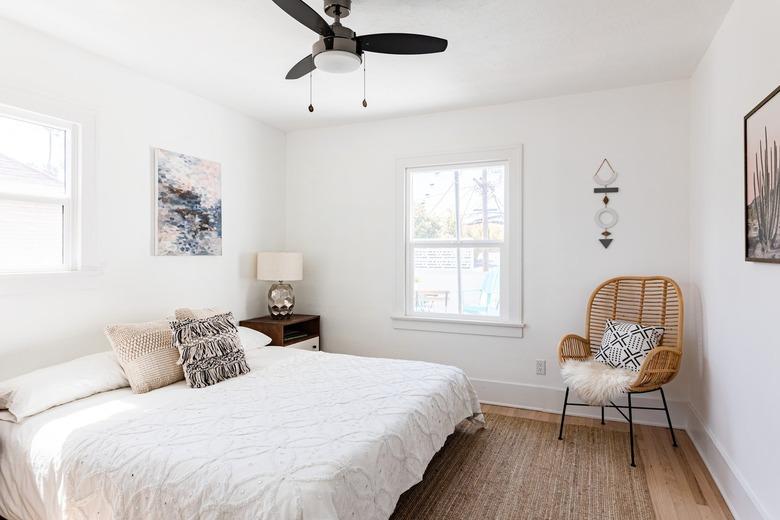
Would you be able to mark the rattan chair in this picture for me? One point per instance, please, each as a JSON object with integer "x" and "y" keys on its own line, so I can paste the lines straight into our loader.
{"x": 647, "y": 300}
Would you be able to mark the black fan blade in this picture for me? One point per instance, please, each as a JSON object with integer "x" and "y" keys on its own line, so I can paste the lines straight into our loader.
{"x": 401, "y": 43}
{"x": 299, "y": 10}
{"x": 301, "y": 68}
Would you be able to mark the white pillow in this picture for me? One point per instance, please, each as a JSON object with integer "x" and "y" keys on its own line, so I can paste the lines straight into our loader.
{"x": 251, "y": 338}
{"x": 45, "y": 388}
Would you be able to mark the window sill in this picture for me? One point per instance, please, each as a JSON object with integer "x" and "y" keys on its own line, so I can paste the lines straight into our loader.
{"x": 84, "y": 271}
{"x": 33, "y": 282}
{"x": 459, "y": 326}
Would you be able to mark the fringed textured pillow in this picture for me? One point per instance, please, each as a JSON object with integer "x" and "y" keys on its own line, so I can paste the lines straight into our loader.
{"x": 210, "y": 349}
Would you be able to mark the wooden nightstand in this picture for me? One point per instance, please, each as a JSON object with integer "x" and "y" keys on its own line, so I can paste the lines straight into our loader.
{"x": 302, "y": 331}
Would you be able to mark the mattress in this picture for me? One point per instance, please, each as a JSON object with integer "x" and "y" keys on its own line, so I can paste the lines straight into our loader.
{"x": 304, "y": 435}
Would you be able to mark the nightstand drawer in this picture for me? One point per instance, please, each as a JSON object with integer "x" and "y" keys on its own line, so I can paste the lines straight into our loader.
{"x": 311, "y": 344}
{"x": 289, "y": 332}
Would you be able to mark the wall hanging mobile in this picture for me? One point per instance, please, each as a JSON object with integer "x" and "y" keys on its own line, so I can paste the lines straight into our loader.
{"x": 606, "y": 217}
{"x": 340, "y": 50}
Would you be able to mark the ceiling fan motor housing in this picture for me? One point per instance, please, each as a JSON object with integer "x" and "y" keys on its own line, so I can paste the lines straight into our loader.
{"x": 342, "y": 40}
{"x": 338, "y": 8}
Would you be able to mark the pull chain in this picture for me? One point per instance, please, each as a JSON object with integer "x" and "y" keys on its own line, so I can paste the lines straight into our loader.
{"x": 365, "y": 103}
{"x": 311, "y": 93}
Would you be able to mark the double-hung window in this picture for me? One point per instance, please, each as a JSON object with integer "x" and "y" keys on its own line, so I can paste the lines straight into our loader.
{"x": 461, "y": 240}
{"x": 38, "y": 207}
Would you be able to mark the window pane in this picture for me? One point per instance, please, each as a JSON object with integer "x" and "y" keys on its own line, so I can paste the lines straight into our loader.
{"x": 32, "y": 157}
{"x": 436, "y": 280}
{"x": 482, "y": 203}
{"x": 30, "y": 235}
{"x": 481, "y": 281}
{"x": 433, "y": 203}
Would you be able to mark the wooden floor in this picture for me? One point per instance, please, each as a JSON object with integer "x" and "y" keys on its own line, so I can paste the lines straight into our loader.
{"x": 680, "y": 485}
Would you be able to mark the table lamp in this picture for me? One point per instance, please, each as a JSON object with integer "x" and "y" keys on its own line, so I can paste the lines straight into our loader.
{"x": 280, "y": 268}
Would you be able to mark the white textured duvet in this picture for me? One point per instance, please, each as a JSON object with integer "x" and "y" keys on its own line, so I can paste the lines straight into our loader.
{"x": 303, "y": 436}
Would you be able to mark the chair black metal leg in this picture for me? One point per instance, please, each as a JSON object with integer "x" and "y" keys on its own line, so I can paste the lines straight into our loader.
{"x": 602, "y": 415}
{"x": 668, "y": 418}
{"x": 563, "y": 413}
{"x": 631, "y": 429}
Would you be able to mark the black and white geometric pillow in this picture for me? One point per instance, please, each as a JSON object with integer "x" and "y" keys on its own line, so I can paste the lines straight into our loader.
{"x": 626, "y": 344}
{"x": 210, "y": 349}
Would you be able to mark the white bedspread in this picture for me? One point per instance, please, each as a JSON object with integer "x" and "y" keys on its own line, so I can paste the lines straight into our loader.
{"x": 304, "y": 435}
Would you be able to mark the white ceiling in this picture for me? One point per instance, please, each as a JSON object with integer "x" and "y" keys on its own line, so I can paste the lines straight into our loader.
{"x": 237, "y": 52}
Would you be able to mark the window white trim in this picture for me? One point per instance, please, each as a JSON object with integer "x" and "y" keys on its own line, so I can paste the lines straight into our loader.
{"x": 459, "y": 326}
{"x": 80, "y": 244}
{"x": 510, "y": 323}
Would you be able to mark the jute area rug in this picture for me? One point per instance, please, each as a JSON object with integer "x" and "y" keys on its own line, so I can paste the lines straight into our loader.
{"x": 518, "y": 469}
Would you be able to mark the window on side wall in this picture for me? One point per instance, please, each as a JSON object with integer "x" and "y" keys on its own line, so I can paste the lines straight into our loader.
{"x": 39, "y": 211}
{"x": 461, "y": 243}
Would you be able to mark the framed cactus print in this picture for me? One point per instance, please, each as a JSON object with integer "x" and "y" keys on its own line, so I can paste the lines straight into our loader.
{"x": 762, "y": 181}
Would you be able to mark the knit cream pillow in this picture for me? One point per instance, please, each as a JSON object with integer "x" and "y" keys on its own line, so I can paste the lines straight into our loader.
{"x": 185, "y": 313}
{"x": 146, "y": 353}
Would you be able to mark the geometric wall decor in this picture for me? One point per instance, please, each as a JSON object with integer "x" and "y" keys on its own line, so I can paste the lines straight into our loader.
{"x": 606, "y": 217}
{"x": 188, "y": 195}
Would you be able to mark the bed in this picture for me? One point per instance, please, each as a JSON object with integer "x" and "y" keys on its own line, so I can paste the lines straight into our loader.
{"x": 304, "y": 435}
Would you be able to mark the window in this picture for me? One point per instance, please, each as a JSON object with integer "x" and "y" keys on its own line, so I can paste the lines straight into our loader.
{"x": 461, "y": 243}
{"x": 38, "y": 210}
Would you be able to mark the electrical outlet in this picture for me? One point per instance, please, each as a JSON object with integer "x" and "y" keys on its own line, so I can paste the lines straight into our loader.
{"x": 541, "y": 367}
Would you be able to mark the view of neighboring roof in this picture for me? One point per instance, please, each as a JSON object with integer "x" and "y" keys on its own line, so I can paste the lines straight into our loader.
{"x": 14, "y": 173}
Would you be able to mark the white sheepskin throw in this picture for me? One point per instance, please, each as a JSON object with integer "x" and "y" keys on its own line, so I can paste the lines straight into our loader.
{"x": 596, "y": 382}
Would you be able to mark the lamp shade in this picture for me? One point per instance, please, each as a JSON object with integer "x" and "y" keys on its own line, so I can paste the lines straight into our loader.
{"x": 273, "y": 267}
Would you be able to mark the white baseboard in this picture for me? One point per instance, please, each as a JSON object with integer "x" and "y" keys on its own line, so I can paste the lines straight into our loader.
{"x": 550, "y": 399}
{"x": 741, "y": 499}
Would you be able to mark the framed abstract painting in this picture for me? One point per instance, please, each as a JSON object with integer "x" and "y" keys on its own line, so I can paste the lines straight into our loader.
{"x": 188, "y": 213}
{"x": 762, "y": 181}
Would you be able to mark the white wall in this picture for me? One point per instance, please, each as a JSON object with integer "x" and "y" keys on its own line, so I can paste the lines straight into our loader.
{"x": 340, "y": 209}
{"x": 48, "y": 320}
{"x": 734, "y": 384}
{"x": 341, "y": 213}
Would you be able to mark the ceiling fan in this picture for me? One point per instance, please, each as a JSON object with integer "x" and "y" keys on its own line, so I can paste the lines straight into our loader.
{"x": 339, "y": 49}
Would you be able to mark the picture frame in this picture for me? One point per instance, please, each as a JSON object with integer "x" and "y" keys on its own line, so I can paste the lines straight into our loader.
{"x": 187, "y": 205}
{"x": 762, "y": 181}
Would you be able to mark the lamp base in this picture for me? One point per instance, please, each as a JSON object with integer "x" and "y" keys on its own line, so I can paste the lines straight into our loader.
{"x": 281, "y": 300}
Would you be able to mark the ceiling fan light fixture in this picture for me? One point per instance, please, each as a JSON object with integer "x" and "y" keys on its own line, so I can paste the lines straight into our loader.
{"x": 339, "y": 49}
{"x": 338, "y": 62}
